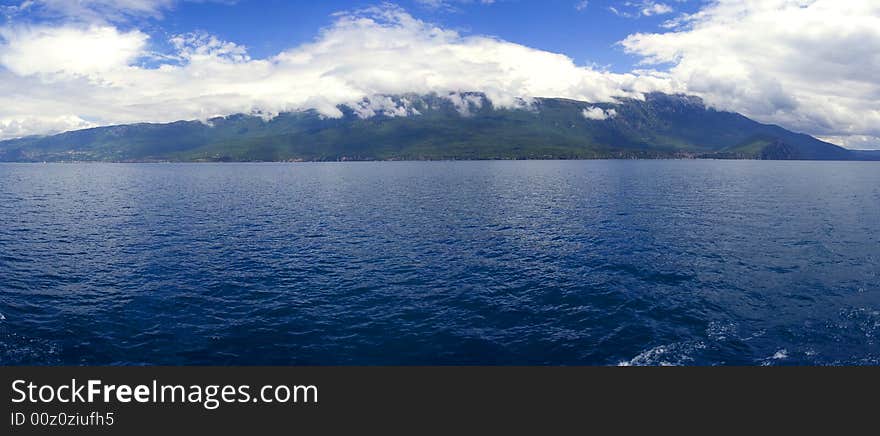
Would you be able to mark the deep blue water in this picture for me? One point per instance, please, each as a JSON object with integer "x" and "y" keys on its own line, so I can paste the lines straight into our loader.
{"x": 580, "y": 262}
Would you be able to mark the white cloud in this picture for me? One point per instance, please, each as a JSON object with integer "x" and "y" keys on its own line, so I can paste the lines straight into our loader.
{"x": 581, "y": 5}
{"x": 809, "y": 65}
{"x": 379, "y": 51}
{"x": 384, "y": 105}
{"x": 64, "y": 51}
{"x": 24, "y": 126}
{"x": 465, "y": 104}
{"x": 195, "y": 47}
{"x": 598, "y": 114}
{"x": 855, "y": 142}
{"x": 651, "y": 8}
{"x": 642, "y": 8}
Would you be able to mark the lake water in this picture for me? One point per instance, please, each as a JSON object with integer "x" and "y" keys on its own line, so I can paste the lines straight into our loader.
{"x": 538, "y": 262}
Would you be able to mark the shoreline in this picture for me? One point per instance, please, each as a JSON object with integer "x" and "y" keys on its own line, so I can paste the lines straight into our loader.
{"x": 425, "y": 160}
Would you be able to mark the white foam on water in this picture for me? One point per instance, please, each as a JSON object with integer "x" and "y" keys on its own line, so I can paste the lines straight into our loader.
{"x": 719, "y": 331}
{"x": 16, "y": 349}
{"x": 780, "y": 355}
{"x": 676, "y": 354}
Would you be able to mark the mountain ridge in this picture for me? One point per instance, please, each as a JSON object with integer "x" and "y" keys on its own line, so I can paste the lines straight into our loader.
{"x": 453, "y": 126}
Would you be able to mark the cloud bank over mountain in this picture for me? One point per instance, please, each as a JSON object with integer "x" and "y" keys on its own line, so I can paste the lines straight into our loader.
{"x": 808, "y": 65}
{"x": 73, "y": 76}
{"x": 812, "y": 66}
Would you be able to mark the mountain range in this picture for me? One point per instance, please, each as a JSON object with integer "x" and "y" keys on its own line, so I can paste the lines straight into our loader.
{"x": 434, "y": 127}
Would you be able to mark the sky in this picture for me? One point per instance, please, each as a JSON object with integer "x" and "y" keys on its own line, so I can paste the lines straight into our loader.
{"x": 811, "y": 66}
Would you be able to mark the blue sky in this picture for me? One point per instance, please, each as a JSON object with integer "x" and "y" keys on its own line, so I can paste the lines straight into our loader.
{"x": 588, "y": 35}
{"x": 808, "y": 65}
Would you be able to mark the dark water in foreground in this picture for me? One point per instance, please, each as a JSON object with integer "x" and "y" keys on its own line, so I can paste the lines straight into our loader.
{"x": 601, "y": 262}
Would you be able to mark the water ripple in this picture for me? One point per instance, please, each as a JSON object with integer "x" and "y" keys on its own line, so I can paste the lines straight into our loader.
{"x": 599, "y": 263}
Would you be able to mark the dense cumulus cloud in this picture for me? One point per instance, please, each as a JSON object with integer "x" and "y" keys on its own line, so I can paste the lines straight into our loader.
{"x": 812, "y": 70}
